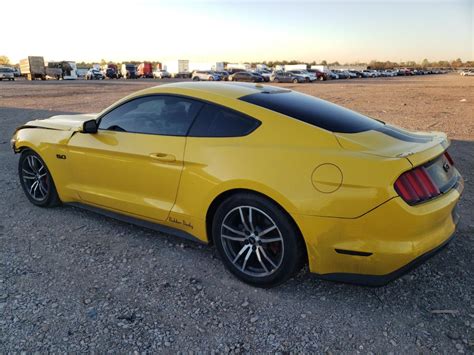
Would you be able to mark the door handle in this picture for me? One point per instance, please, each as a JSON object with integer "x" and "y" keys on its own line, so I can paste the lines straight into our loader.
{"x": 169, "y": 158}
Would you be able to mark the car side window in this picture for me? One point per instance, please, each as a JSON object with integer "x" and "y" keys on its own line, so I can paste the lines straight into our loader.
{"x": 217, "y": 121}
{"x": 156, "y": 114}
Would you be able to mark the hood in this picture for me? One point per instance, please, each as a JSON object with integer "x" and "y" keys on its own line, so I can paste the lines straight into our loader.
{"x": 62, "y": 122}
{"x": 393, "y": 142}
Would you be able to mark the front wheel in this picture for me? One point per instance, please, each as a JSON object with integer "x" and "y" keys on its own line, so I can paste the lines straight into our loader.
{"x": 295, "y": 81}
{"x": 257, "y": 240}
{"x": 36, "y": 180}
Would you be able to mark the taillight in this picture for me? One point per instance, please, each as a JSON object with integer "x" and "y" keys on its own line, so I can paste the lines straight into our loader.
{"x": 450, "y": 160}
{"x": 416, "y": 186}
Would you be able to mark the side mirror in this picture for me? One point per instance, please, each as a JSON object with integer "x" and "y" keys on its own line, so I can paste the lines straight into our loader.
{"x": 90, "y": 126}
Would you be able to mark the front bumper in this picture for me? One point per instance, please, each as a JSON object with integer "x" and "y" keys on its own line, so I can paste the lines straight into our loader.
{"x": 384, "y": 243}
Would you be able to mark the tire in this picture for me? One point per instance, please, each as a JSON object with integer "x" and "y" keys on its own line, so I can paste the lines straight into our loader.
{"x": 276, "y": 80}
{"x": 295, "y": 81}
{"x": 32, "y": 168}
{"x": 246, "y": 251}
{"x": 196, "y": 78}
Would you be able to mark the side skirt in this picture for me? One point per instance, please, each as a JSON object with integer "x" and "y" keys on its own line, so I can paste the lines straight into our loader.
{"x": 138, "y": 222}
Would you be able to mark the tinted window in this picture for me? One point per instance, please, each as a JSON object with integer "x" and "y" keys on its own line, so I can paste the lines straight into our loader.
{"x": 160, "y": 114}
{"x": 314, "y": 111}
{"x": 216, "y": 121}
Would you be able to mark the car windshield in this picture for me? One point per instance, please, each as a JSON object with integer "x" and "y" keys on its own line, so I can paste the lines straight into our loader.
{"x": 314, "y": 111}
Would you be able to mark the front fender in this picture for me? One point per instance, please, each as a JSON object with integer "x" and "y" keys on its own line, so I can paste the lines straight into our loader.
{"x": 51, "y": 146}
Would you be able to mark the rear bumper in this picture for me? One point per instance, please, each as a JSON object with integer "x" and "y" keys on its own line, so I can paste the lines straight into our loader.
{"x": 381, "y": 280}
{"x": 384, "y": 243}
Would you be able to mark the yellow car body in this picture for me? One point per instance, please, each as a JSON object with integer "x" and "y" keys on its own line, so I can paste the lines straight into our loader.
{"x": 337, "y": 187}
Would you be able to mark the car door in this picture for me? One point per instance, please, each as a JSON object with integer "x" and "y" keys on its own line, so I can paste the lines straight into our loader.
{"x": 133, "y": 163}
{"x": 247, "y": 77}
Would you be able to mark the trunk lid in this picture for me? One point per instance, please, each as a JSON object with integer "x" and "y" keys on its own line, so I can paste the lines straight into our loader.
{"x": 394, "y": 142}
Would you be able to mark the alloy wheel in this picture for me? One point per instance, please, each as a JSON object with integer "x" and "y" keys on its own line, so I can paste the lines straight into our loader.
{"x": 252, "y": 241}
{"x": 35, "y": 178}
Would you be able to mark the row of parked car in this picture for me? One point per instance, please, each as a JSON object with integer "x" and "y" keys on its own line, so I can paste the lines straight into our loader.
{"x": 302, "y": 75}
{"x": 291, "y": 74}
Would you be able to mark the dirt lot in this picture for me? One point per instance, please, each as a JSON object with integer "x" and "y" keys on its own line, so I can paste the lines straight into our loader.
{"x": 71, "y": 280}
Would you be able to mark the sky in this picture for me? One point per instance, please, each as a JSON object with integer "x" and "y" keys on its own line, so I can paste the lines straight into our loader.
{"x": 239, "y": 31}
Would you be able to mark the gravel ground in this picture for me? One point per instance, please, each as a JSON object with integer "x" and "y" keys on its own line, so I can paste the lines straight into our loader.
{"x": 71, "y": 280}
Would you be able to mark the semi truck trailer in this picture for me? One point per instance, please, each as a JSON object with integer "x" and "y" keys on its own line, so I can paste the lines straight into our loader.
{"x": 33, "y": 68}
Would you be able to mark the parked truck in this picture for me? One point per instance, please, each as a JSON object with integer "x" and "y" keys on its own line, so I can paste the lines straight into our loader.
{"x": 129, "y": 71}
{"x": 67, "y": 70}
{"x": 321, "y": 68}
{"x": 219, "y": 66}
{"x": 289, "y": 67}
{"x": 241, "y": 66}
{"x": 110, "y": 71}
{"x": 178, "y": 69}
{"x": 145, "y": 70}
{"x": 33, "y": 68}
{"x": 53, "y": 70}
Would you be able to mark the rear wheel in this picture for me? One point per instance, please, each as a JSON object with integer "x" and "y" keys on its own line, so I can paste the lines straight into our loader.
{"x": 257, "y": 240}
{"x": 36, "y": 180}
{"x": 196, "y": 78}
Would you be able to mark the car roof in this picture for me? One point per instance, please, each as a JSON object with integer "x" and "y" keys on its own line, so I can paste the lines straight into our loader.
{"x": 226, "y": 89}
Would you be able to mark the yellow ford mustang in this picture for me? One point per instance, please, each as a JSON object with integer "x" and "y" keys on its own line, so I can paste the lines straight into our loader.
{"x": 274, "y": 178}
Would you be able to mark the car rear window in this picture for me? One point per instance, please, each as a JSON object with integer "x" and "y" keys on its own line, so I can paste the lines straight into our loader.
{"x": 314, "y": 111}
{"x": 217, "y": 121}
